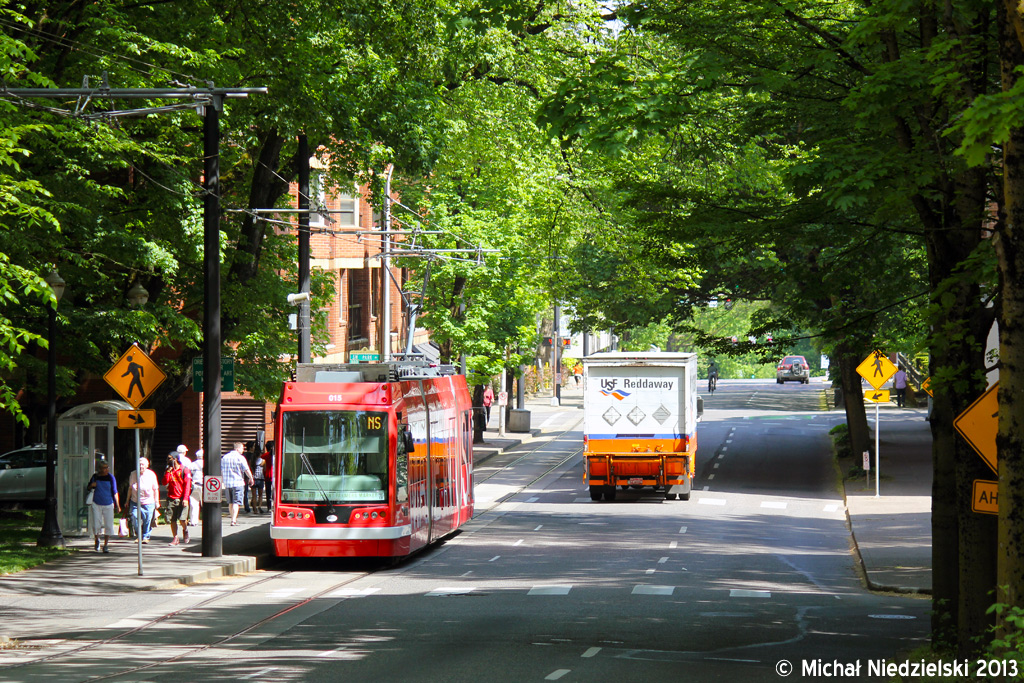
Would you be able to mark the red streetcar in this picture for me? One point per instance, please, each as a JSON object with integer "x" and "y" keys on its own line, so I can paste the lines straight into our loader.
{"x": 371, "y": 460}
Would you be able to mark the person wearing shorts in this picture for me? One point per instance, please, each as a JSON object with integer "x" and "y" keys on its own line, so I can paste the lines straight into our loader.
{"x": 179, "y": 488}
{"x": 237, "y": 475}
{"x": 105, "y": 501}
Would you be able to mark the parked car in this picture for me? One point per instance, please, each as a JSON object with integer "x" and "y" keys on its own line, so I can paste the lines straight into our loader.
{"x": 793, "y": 369}
{"x": 23, "y": 474}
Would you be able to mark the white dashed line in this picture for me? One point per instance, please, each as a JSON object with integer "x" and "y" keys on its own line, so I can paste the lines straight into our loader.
{"x": 494, "y": 558}
{"x": 741, "y": 593}
{"x": 556, "y": 674}
{"x": 711, "y": 501}
{"x": 538, "y": 527}
{"x": 644, "y": 589}
{"x": 711, "y": 476}
{"x": 682, "y": 530}
{"x": 532, "y": 500}
{"x": 663, "y": 560}
{"x": 673, "y": 544}
{"x": 444, "y": 591}
{"x": 466, "y": 573}
{"x": 550, "y": 590}
{"x": 517, "y": 542}
{"x": 774, "y": 505}
{"x": 591, "y": 651}
{"x": 650, "y": 571}
{"x": 717, "y": 465}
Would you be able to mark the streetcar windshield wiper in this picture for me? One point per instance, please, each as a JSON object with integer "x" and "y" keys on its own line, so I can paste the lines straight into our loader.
{"x": 316, "y": 479}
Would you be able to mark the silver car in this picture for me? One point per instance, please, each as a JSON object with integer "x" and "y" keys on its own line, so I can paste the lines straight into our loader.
{"x": 793, "y": 369}
{"x": 23, "y": 474}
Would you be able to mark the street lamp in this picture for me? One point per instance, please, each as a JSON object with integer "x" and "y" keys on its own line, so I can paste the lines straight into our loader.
{"x": 137, "y": 295}
{"x": 50, "y": 536}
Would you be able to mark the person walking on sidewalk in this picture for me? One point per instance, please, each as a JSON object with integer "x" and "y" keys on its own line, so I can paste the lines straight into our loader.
{"x": 237, "y": 475}
{"x": 179, "y": 488}
{"x": 899, "y": 382}
{"x": 105, "y": 501}
{"x": 488, "y": 400}
{"x": 145, "y": 497}
{"x": 195, "y": 501}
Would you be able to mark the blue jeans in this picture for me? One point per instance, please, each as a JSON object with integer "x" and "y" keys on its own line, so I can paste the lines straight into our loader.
{"x": 147, "y": 519}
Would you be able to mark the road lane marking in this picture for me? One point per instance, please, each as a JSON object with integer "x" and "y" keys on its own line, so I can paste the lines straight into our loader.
{"x": 742, "y": 593}
{"x": 444, "y": 591}
{"x": 591, "y": 651}
{"x": 707, "y": 488}
{"x": 682, "y": 530}
{"x": 538, "y": 527}
{"x": 711, "y": 501}
{"x": 517, "y": 542}
{"x": 352, "y": 592}
{"x": 550, "y": 590}
{"x": 466, "y": 574}
{"x": 673, "y": 544}
{"x": 494, "y": 558}
{"x": 532, "y": 500}
{"x": 717, "y": 465}
{"x": 556, "y": 674}
{"x": 663, "y": 560}
{"x": 773, "y": 504}
{"x": 650, "y": 571}
{"x": 728, "y": 440}
{"x": 256, "y": 674}
{"x": 644, "y": 589}
{"x": 831, "y": 508}
{"x": 711, "y": 476}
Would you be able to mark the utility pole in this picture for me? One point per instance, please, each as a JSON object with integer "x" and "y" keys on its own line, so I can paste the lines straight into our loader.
{"x": 385, "y": 275}
{"x": 556, "y": 360}
{"x": 305, "y": 342}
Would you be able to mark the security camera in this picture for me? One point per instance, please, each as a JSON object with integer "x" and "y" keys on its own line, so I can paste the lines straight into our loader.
{"x": 298, "y": 298}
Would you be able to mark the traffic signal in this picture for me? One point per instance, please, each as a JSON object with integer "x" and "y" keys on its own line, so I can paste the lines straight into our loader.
{"x": 548, "y": 341}
{"x": 566, "y": 342}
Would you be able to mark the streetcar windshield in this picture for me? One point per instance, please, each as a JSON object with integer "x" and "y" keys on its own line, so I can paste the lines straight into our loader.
{"x": 335, "y": 456}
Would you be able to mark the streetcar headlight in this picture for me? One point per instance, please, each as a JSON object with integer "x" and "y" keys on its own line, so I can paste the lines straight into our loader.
{"x": 373, "y": 516}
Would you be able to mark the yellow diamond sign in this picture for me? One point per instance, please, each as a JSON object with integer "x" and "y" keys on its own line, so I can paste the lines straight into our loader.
{"x": 979, "y": 425}
{"x": 876, "y": 369}
{"x": 135, "y": 376}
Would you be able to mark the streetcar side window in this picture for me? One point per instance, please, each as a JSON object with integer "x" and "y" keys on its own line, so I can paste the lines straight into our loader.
{"x": 336, "y": 456}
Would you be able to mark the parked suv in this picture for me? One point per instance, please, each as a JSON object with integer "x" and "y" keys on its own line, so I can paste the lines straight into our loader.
{"x": 23, "y": 474}
{"x": 793, "y": 369}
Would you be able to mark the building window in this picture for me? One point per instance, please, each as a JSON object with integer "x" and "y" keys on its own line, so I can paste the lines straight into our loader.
{"x": 348, "y": 206}
{"x": 355, "y": 322}
{"x": 317, "y": 196}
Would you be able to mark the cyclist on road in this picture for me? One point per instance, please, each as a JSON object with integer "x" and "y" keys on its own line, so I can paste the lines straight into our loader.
{"x": 712, "y": 376}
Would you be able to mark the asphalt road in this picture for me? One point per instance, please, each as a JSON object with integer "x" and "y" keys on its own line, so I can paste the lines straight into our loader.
{"x": 751, "y": 575}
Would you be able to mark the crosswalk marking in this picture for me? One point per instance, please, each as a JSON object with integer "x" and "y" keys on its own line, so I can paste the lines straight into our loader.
{"x": 711, "y": 501}
{"x": 831, "y": 508}
{"x": 550, "y": 590}
{"x": 353, "y": 592}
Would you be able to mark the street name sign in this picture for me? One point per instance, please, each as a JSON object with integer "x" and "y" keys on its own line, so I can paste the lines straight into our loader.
{"x": 135, "y": 376}
{"x": 363, "y": 357}
{"x": 877, "y": 395}
{"x": 136, "y": 419}
{"x": 979, "y": 424}
{"x": 876, "y": 369}
{"x": 227, "y": 374}
{"x": 985, "y": 497}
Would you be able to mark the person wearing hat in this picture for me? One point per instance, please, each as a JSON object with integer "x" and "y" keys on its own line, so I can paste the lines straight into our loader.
{"x": 195, "y": 501}
{"x": 183, "y": 456}
{"x": 105, "y": 501}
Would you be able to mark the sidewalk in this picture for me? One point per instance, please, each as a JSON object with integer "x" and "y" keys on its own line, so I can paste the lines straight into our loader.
{"x": 892, "y": 532}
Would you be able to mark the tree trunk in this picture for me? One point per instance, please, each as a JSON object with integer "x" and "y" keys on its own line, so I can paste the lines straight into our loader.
{"x": 1009, "y": 245}
{"x": 853, "y": 399}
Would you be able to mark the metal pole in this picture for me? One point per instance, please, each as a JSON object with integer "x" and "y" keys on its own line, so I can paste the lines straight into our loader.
{"x": 556, "y": 358}
{"x": 501, "y": 406}
{"x": 138, "y": 499}
{"x": 878, "y": 456}
{"x": 385, "y": 275}
{"x": 303, "y": 173}
{"x": 50, "y": 535}
{"x": 212, "y": 538}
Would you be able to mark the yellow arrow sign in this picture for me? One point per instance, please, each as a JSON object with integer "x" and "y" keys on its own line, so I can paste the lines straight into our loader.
{"x": 985, "y": 497}
{"x": 136, "y": 419}
{"x": 927, "y": 386}
{"x": 979, "y": 424}
{"x": 877, "y": 395}
{"x": 135, "y": 376}
{"x": 876, "y": 369}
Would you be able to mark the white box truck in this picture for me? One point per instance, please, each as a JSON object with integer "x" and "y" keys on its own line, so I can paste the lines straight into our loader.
{"x": 640, "y": 413}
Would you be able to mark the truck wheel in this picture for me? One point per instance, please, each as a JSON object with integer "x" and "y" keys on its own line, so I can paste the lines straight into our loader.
{"x": 684, "y": 496}
{"x": 595, "y": 492}
{"x": 670, "y": 496}
{"x": 609, "y": 493}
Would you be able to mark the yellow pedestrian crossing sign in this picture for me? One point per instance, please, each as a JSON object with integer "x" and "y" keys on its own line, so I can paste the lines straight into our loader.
{"x": 876, "y": 369}
{"x": 135, "y": 376}
{"x": 979, "y": 424}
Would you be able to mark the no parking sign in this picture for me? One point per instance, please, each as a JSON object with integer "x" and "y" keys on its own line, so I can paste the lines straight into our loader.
{"x": 212, "y": 487}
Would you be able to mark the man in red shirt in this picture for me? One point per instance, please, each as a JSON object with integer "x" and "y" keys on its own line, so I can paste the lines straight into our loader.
{"x": 179, "y": 487}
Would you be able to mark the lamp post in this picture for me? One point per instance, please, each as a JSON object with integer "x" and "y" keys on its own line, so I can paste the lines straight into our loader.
{"x": 50, "y": 536}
